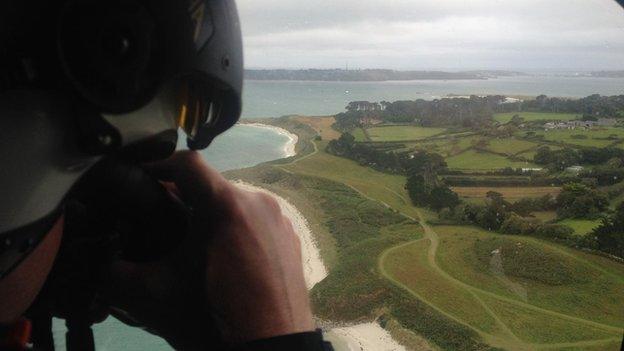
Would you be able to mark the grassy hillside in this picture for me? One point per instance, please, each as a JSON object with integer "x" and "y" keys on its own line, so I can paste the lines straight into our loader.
{"x": 516, "y": 292}
{"x": 533, "y": 272}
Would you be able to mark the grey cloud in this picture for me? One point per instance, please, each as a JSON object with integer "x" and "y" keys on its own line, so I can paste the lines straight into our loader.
{"x": 451, "y": 34}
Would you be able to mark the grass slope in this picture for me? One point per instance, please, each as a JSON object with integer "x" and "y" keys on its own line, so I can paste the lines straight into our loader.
{"x": 533, "y": 272}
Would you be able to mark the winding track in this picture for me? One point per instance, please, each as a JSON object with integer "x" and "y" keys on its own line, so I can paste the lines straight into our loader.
{"x": 511, "y": 341}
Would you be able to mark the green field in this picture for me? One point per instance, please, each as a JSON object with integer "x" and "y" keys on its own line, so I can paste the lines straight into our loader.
{"x": 592, "y": 138}
{"x": 359, "y": 135}
{"x": 581, "y": 226}
{"x": 510, "y": 146}
{"x": 533, "y": 272}
{"x": 535, "y": 116}
{"x": 446, "y": 147}
{"x": 509, "y": 193}
{"x": 545, "y": 216}
{"x": 402, "y": 133}
{"x": 475, "y": 161}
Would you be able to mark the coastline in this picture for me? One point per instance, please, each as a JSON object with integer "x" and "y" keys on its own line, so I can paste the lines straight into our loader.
{"x": 289, "y": 147}
{"x": 358, "y": 337}
{"x": 313, "y": 267}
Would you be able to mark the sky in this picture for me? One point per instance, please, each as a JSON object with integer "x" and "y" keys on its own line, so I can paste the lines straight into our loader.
{"x": 523, "y": 35}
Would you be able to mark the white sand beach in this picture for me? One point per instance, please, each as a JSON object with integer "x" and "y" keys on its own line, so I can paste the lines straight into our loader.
{"x": 313, "y": 266}
{"x": 364, "y": 337}
{"x": 289, "y": 147}
{"x": 361, "y": 337}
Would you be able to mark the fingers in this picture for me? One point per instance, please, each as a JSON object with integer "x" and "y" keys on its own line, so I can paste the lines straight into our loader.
{"x": 196, "y": 181}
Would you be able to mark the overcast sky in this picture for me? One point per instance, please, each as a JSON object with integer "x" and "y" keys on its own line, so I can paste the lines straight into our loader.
{"x": 434, "y": 34}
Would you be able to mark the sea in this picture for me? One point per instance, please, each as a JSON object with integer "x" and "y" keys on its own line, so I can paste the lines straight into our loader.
{"x": 245, "y": 146}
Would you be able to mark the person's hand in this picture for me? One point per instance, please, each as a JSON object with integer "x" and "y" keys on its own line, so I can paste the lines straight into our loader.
{"x": 239, "y": 269}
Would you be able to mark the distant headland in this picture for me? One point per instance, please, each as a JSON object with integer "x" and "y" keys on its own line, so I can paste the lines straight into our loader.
{"x": 369, "y": 75}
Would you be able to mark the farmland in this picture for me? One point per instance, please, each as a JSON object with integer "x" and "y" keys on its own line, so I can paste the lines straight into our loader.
{"x": 459, "y": 286}
{"x": 402, "y": 133}
{"x": 602, "y": 137}
{"x": 581, "y": 226}
{"x": 509, "y": 146}
{"x": 473, "y": 160}
{"x": 535, "y": 116}
{"x": 509, "y": 193}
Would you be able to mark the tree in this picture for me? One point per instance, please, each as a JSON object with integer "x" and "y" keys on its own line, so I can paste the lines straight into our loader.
{"x": 610, "y": 234}
{"x": 515, "y": 224}
{"x": 443, "y": 197}
{"x": 417, "y": 190}
{"x": 577, "y": 200}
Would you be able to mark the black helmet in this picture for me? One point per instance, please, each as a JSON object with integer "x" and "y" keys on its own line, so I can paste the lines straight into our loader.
{"x": 81, "y": 79}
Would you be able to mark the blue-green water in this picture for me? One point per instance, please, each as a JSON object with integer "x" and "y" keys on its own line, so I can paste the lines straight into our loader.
{"x": 278, "y": 98}
{"x": 245, "y": 146}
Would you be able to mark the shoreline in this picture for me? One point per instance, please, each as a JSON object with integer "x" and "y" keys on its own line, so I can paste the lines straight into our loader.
{"x": 313, "y": 267}
{"x": 290, "y": 146}
{"x": 368, "y": 336}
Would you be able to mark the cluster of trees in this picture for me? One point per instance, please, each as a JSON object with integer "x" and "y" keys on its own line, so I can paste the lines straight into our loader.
{"x": 474, "y": 111}
{"x": 367, "y": 155}
{"x": 423, "y": 184}
{"x": 578, "y": 200}
{"x": 608, "y": 162}
{"x": 499, "y": 215}
{"x": 594, "y": 105}
{"x": 466, "y": 112}
{"x": 568, "y": 156}
{"x": 609, "y": 236}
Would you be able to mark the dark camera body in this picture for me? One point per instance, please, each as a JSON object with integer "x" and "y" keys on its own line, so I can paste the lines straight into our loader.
{"x": 116, "y": 211}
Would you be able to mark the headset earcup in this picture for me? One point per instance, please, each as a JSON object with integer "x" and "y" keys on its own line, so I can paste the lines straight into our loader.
{"x": 113, "y": 52}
